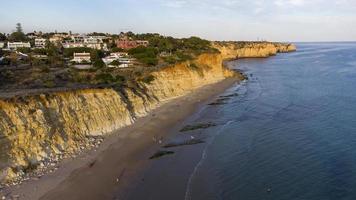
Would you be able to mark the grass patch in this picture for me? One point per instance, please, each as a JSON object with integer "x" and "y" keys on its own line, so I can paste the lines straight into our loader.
{"x": 189, "y": 142}
{"x": 197, "y": 126}
{"x": 159, "y": 154}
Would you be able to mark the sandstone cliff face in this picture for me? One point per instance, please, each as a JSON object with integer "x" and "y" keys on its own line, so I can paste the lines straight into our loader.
{"x": 37, "y": 128}
{"x": 253, "y": 50}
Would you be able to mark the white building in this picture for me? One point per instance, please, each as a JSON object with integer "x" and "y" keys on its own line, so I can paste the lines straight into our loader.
{"x": 99, "y": 37}
{"x": 92, "y": 42}
{"x": 42, "y": 57}
{"x": 81, "y": 57}
{"x": 15, "y": 45}
{"x": 144, "y": 43}
{"x": 72, "y": 45}
{"x": 92, "y": 39}
{"x": 95, "y": 42}
{"x": 114, "y": 56}
{"x": 109, "y": 59}
{"x": 78, "y": 38}
{"x": 83, "y": 44}
{"x": 2, "y": 45}
{"x": 122, "y": 58}
{"x": 119, "y": 54}
{"x": 58, "y": 37}
{"x": 96, "y": 46}
{"x": 40, "y": 43}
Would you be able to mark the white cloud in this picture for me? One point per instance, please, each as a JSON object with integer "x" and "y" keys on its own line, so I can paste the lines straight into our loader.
{"x": 290, "y": 2}
{"x": 175, "y": 3}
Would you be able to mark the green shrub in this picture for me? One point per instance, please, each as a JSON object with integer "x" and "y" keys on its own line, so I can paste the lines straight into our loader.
{"x": 170, "y": 59}
{"x": 145, "y": 55}
{"x": 183, "y": 56}
{"x": 5, "y": 61}
{"x": 193, "y": 66}
{"x": 49, "y": 83}
{"x": 24, "y": 50}
{"x": 116, "y": 49}
{"x": 148, "y": 79}
{"x": 40, "y": 51}
{"x": 148, "y": 61}
{"x": 107, "y": 78}
{"x": 7, "y": 75}
{"x": 115, "y": 63}
{"x": 44, "y": 68}
{"x": 98, "y": 64}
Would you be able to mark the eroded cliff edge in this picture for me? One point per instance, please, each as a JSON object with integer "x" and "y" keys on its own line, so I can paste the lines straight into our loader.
{"x": 41, "y": 128}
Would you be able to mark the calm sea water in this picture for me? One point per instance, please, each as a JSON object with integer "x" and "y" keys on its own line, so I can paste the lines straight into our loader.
{"x": 289, "y": 134}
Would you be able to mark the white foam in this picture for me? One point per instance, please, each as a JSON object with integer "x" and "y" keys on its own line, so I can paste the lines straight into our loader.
{"x": 188, "y": 191}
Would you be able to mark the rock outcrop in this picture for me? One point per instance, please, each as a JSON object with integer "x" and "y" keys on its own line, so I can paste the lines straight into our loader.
{"x": 39, "y": 128}
{"x": 235, "y": 50}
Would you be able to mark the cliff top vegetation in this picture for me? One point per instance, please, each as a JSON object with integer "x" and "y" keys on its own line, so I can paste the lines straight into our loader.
{"x": 51, "y": 68}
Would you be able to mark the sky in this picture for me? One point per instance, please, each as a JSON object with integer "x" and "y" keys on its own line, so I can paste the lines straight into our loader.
{"x": 273, "y": 20}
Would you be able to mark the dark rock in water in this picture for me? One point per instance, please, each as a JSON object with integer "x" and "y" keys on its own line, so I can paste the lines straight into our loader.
{"x": 91, "y": 164}
{"x": 217, "y": 103}
{"x": 220, "y": 101}
{"x": 197, "y": 126}
{"x": 229, "y": 95}
{"x": 189, "y": 142}
{"x": 159, "y": 154}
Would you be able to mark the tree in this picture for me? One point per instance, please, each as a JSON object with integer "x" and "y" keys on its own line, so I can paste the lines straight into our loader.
{"x": 13, "y": 59}
{"x": 96, "y": 54}
{"x": 19, "y": 28}
{"x": 18, "y": 35}
{"x": 96, "y": 57}
{"x": 54, "y": 57}
{"x": 2, "y": 37}
{"x": 98, "y": 64}
{"x": 116, "y": 49}
{"x": 130, "y": 34}
{"x": 24, "y": 50}
{"x": 145, "y": 55}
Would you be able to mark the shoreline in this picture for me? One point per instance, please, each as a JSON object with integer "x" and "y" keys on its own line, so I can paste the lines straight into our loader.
{"x": 121, "y": 157}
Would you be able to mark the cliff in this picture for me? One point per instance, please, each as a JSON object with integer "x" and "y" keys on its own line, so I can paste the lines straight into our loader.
{"x": 235, "y": 50}
{"x": 42, "y": 128}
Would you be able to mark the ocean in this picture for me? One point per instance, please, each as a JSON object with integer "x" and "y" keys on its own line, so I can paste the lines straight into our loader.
{"x": 289, "y": 132}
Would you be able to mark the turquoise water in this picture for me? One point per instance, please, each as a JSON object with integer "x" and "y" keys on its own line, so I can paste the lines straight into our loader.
{"x": 290, "y": 134}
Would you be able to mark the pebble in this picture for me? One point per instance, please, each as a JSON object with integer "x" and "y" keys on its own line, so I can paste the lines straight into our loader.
{"x": 48, "y": 165}
{"x": 3, "y": 197}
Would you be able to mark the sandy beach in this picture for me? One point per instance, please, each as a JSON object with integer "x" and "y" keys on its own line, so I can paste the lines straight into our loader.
{"x": 110, "y": 170}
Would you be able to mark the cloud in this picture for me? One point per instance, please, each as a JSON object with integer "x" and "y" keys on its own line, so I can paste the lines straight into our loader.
{"x": 290, "y": 2}
{"x": 175, "y": 3}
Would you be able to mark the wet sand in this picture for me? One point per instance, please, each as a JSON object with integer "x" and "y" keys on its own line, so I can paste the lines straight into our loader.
{"x": 117, "y": 166}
